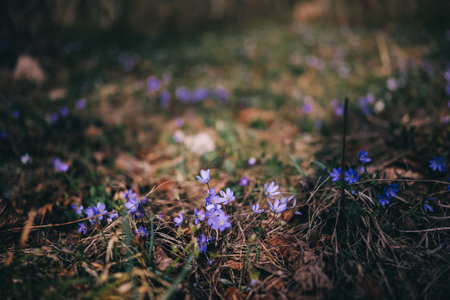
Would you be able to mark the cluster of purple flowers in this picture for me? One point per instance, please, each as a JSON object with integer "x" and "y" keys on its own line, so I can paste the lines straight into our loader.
{"x": 350, "y": 175}
{"x": 134, "y": 205}
{"x": 389, "y": 192}
{"x": 95, "y": 215}
{"x": 200, "y": 94}
{"x": 278, "y": 205}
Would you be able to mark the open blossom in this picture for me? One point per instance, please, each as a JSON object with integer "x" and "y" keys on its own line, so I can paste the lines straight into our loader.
{"x": 351, "y": 176}
{"x": 427, "y": 207}
{"x": 286, "y": 200}
{"x": 179, "y": 220}
{"x": 278, "y": 206}
{"x": 244, "y": 181}
{"x": 142, "y": 231}
{"x": 26, "y": 159}
{"x": 113, "y": 215}
{"x": 101, "y": 209}
{"x": 226, "y": 197}
{"x": 391, "y": 190}
{"x": 437, "y": 164}
{"x": 220, "y": 221}
{"x": 211, "y": 197}
{"x": 336, "y": 174}
{"x": 204, "y": 176}
{"x": 82, "y": 228}
{"x": 271, "y": 190}
{"x": 78, "y": 210}
{"x": 202, "y": 243}
{"x": 362, "y": 155}
{"x": 256, "y": 209}
{"x": 199, "y": 215}
{"x": 383, "y": 200}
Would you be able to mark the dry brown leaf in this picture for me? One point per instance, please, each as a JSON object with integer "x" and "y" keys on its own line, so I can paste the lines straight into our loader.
{"x": 250, "y": 115}
{"x": 29, "y": 68}
{"x": 236, "y": 265}
{"x": 162, "y": 261}
{"x": 233, "y": 293}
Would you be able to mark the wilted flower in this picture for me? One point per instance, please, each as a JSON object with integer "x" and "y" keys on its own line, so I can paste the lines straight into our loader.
{"x": 271, "y": 190}
{"x": 204, "y": 176}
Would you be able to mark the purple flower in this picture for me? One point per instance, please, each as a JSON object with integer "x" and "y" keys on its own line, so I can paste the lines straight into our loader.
{"x": 204, "y": 176}
{"x": 212, "y": 210}
{"x": 318, "y": 124}
{"x": 78, "y": 210}
{"x": 338, "y": 108}
{"x": 81, "y": 104}
{"x": 336, "y": 174}
{"x": 164, "y": 98}
{"x": 307, "y": 108}
{"x": 221, "y": 94}
{"x": 91, "y": 211}
{"x": 64, "y": 111}
{"x": 383, "y": 199}
{"x": 244, "y": 181}
{"x": 211, "y": 197}
{"x": 391, "y": 190}
{"x": 199, "y": 94}
{"x": 286, "y": 200}
{"x": 4, "y": 135}
{"x": 26, "y": 159}
{"x": 364, "y": 105}
{"x": 256, "y": 209}
{"x": 271, "y": 190}
{"x": 392, "y": 84}
{"x": 427, "y": 207}
{"x": 179, "y": 122}
{"x": 59, "y": 166}
{"x": 226, "y": 197}
{"x": 351, "y": 176}
{"x": 278, "y": 206}
{"x": 437, "y": 164}
{"x": 113, "y": 215}
{"x": 183, "y": 94}
{"x": 202, "y": 243}
{"x": 198, "y": 216}
{"x": 101, "y": 210}
{"x": 220, "y": 221}
{"x": 53, "y": 117}
{"x": 362, "y": 155}
{"x": 252, "y": 161}
{"x": 153, "y": 84}
{"x": 142, "y": 231}
{"x": 82, "y": 228}
{"x": 179, "y": 220}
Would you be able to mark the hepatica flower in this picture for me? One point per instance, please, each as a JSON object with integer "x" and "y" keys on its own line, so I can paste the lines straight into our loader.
{"x": 362, "y": 155}
{"x": 427, "y": 207}
{"x": 351, "y": 176}
{"x": 220, "y": 222}
{"x": 90, "y": 212}
{"x": 64, "y": 111}
{"x": 81, "y": 104}
{"x": 226, "y": 197}
{"x": 179, "y": 220}
{"x": 101, "y": 210}
{"x": 183, "y": 94}
{"x": 202, "y": 243}
{"x": 82, "y": 228}
{"x": 256, "y": 209}
{"x": 336, "y": 174}
{"x": 199, "y": 94}
{"x": 199, "y": 215}
{"x": 204, "y": 176}
{"x": 164, "y": 98}
{"x": 271, "y": 190}
{"x": 252, "y": 161}
{"x": 244, "y": 181}
{"x": 437, "y": 164}
{"x": 78, "y": 210}
{"x": 391, "y": 190}
{"x": 59, "y": 166}
{"x": 153, "y": 84}
{"x": 26, "y": 159}
{"x": 142, "y": 231}
{"x": 278, "y": 206}
{"x": 113, "y": 215}
{"x": 383, "y": 200}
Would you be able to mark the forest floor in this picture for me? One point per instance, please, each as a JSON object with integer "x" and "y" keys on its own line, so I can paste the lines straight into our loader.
{"x": 253, "y": 106}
